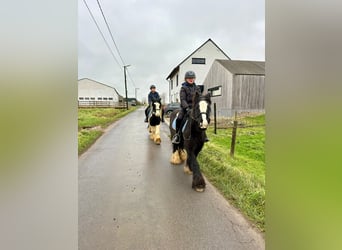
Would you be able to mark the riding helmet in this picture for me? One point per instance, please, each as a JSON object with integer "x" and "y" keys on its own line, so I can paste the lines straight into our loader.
{"x": 190, "y": 74}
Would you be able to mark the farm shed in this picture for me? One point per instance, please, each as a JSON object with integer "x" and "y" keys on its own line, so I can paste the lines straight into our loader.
{"x": 236, "y": 86}
{"x": 92, "y": 93}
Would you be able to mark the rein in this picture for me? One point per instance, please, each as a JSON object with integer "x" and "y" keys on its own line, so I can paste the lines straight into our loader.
{"x": 198, "y": 116}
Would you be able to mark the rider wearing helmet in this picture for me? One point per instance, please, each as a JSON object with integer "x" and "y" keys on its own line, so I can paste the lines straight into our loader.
{"x": 188, "y": 89}
{"x": 152, "y": 95}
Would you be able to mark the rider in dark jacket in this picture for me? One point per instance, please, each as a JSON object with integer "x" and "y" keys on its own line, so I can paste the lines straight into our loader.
{"x": 188, "y": 89}
{"x": 151, "y": 96}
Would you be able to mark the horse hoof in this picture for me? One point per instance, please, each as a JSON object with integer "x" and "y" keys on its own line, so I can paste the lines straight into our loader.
{"x": 183, "y": 155}
{"x": 200, "y": 190}
{"x": 175, "y": 159}
{"x": 187, "y": 170}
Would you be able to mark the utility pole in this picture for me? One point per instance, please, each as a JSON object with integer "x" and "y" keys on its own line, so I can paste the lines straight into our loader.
{"x": 125, "y": 66}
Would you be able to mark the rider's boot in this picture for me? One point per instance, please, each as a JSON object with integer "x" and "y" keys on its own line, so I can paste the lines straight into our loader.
{"x": 176, "y": 138}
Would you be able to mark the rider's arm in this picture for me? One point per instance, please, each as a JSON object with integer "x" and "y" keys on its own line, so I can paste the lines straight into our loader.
{"x": 182, "y": 95}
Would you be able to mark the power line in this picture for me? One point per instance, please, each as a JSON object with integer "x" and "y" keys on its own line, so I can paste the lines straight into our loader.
{"x": 112, "y": 37}
{"x": 91, "y": 14}
{"x": 131, "y": 79}
{"x": 110, "y": 32}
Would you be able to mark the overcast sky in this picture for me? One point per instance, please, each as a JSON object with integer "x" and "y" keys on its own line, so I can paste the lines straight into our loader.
{"x": 154, "y": 36}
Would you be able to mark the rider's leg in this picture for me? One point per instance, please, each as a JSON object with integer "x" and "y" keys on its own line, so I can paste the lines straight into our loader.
{"x": 146, "y": 113}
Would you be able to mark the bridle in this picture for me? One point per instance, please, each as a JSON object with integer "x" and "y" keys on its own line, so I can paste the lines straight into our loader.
{"x": 198, "y": 116}
{"x": 154, "y": 108}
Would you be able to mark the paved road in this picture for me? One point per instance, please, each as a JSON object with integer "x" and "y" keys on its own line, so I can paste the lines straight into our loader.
{"x": 131, "y": 197}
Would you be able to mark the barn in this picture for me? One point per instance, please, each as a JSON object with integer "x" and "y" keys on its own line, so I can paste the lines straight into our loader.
{"x": 236, "y": 86}
{"x": 93, "y": 93}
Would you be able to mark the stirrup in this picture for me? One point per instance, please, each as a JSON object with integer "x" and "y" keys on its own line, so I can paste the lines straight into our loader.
{"x": 176, "y": 139}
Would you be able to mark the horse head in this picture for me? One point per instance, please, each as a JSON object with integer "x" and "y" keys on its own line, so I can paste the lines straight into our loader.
{"x": 201, "y": 110}
{"x": 156, "y": 107}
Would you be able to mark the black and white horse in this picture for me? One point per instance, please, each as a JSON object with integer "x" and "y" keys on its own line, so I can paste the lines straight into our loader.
{"x": 154, "y": 119}
{"x": 193, "y": 139}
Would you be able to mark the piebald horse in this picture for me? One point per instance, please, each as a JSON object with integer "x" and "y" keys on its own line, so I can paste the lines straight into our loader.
{"x": 154, "y": 120}
{"x": 192, "y": 141}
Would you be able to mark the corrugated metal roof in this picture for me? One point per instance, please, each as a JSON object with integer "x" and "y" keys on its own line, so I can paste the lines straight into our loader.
{"x": 79, "y": 80}
{"x": 238, "y": 67}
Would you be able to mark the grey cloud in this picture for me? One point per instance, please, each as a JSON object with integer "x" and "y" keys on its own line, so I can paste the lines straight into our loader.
{"x": 155, "y": 36}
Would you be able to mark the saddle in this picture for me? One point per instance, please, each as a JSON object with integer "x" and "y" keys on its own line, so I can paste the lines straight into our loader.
{"x": 185, "y": 123}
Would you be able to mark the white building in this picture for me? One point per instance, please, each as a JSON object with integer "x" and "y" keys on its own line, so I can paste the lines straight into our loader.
{"x": 93, "y": 93}
{"x": 199, "y": 61}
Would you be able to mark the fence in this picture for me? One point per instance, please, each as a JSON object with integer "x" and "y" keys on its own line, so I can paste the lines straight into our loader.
{"x": 238, "y": 119}
{"x": 101, "y": 104}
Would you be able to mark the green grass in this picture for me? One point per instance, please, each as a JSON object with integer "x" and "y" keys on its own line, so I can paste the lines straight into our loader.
{"x": 92, "y": 122}
{"x": 240, "y": 179}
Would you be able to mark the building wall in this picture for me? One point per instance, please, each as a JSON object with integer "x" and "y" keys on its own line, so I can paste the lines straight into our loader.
{"x": 238, "y": 92}
{"x": 218, "y": 76}
{"x": 210, "y": 52}
{"x": 249, "y": 92}
{"x": 91, "y": 89}
{"x": 95, "y": 94}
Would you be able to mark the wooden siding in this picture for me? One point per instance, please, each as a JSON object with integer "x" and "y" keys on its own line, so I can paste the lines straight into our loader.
{"x": 219, "y": 76}
{"x": 248, "y": 92}
{"x": 240, "y": 92}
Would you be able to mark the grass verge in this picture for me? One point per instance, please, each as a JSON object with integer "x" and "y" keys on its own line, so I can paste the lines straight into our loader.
{"x": 93, "y": 121}
{"x": 240, "y": 179}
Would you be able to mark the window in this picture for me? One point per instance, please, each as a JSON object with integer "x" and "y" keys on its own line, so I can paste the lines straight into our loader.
{"x": 81, "y": 98}
{"x": 171, "y": 84}
{"x": 215, "y": 91}
{"x": 177, "y": 81}
{"x": 110, "y": 98}
{"x": 87, "y": 98}
{"x": 198, "y": 60}
{"x": 105, "y": 98}
{"x": 92, "y": 98}
{"x": 99, "y": 98}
